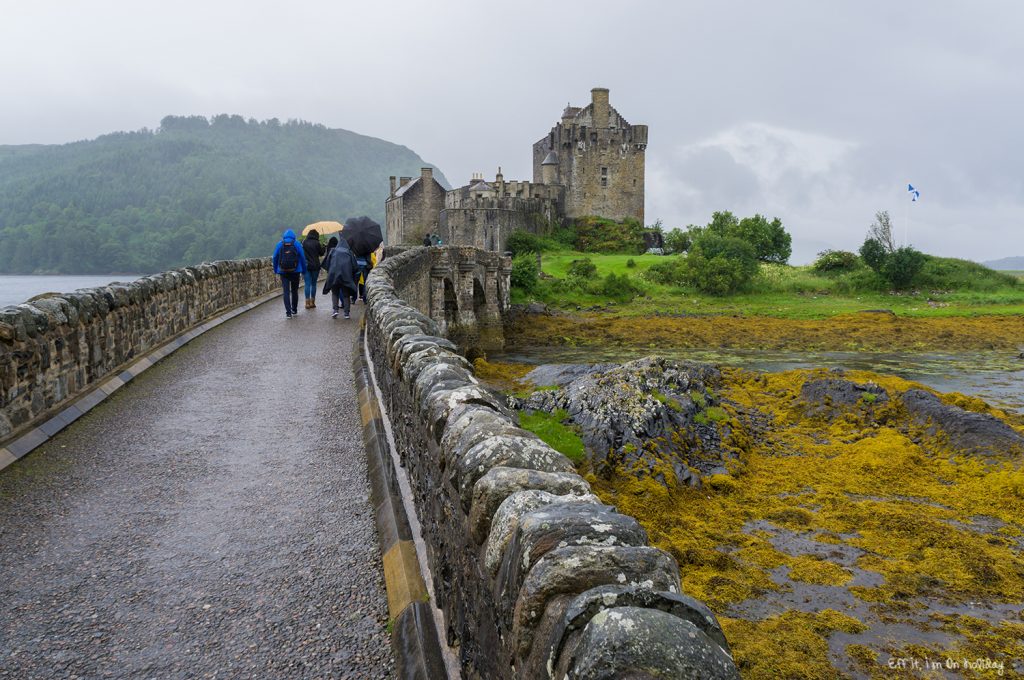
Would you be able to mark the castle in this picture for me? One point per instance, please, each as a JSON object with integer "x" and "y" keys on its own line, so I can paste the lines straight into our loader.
{"x": 590, "y": 163}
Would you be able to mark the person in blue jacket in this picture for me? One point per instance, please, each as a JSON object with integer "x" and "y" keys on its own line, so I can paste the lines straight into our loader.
{"x": 290, "y": 265}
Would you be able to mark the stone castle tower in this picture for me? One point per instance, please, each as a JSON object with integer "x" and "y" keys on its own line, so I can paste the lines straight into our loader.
{"x": 598, "y": 157}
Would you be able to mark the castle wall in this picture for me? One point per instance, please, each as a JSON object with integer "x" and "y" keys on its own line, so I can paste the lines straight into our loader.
{"x": 485, "y": 219}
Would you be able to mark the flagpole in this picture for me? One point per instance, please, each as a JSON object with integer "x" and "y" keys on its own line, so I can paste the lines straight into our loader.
{"x": 906, "y": 224}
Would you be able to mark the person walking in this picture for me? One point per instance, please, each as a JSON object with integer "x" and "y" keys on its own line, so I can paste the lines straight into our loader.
{"x": 340, "y": 264}
{"x": 313, "y": 250}
{"x": 289, "y": 264}
{"x": 331, "y": 245}
{"x": 363, "y": 266}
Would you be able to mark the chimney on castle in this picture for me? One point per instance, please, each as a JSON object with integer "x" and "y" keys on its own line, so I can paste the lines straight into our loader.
{"x": 426, "y": 174}
{"x": 402, "y": 181}
{"x": 599, "y": 98}
{"x": 394, "y": 182}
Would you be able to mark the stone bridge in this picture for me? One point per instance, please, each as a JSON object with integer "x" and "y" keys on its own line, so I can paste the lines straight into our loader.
{"x": 467, "y": 295}
{"x": 250, "y": 506}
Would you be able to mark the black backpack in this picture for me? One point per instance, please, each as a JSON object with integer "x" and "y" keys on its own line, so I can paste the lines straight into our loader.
{"x": 288, "y": 259}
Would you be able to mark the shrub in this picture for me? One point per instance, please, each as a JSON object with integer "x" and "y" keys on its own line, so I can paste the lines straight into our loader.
{"x": 720, "y": 265}
{"x": 835, "y": 261}
{"x": 524, "y": 272}
{"x": 716, "y": 275}
{"x": 600, "y": 235}
{"x": 874, "y": 254}
{"x": 670, "y": 271}
{"x": 902, "y": 266}
{"x": 630, "y": 263}
{"x": 582, "y": 269}
{"x": 520, "y": 242}
{"x": 619, "y": 287}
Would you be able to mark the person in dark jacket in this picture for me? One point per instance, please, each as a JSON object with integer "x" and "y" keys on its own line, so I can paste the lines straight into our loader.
{"x": 341, "y": 277}
{"x": 289, "y": 264}
{"x": 427, "y": 240}
{"x": 331, "y": 245}
{"x": 313, "y": 250}
{"x": 363, "y": 267}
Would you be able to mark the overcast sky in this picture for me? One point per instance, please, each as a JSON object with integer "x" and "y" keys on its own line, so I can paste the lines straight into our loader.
{"x": 819, "y": 113}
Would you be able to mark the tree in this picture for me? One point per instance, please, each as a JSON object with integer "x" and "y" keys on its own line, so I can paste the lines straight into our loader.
{"x": 678, "y": 241}
{"x": 881, "y": 231}
{"x": 770, "y": 241}
{"x": 874, "y": 254}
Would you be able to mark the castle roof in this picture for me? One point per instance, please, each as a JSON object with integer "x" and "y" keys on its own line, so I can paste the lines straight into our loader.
{"x": 480, "y": 186}
{"x": 403, "y": 189}
{"x": 550, "y": 159}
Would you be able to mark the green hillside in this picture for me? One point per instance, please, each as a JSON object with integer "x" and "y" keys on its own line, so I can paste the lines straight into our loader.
{"x": 193, "y": 190}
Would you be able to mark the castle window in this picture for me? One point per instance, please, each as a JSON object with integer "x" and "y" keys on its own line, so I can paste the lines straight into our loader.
{"x": 593, "y": 136}
{"x": 604, "y": 176}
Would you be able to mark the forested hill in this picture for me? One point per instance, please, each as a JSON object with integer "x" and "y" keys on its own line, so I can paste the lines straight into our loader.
{"x": 191, "y": 191}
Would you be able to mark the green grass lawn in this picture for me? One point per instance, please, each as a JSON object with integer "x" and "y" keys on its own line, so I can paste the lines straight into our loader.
{"x": 952, "y": 288}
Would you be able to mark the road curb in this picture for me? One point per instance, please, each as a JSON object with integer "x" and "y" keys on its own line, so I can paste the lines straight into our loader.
{"x": 28, "y": 441}
{"x": 413, "y": 631}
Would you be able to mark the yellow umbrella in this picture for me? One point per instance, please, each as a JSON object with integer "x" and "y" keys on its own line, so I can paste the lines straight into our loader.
{"x": 323, "y": 228}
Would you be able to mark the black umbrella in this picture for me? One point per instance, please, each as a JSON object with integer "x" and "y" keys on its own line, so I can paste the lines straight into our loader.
{"x": 363, "y": 235}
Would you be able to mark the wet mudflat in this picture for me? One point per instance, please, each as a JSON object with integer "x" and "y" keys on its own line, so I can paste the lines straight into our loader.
{"x": 210, "y": 520}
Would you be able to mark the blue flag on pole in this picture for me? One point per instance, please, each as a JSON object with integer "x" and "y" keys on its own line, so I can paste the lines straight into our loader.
{"x": 914, "y": 193}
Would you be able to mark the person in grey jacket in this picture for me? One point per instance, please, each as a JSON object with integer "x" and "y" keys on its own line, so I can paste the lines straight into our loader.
{"x": 341, "y": 277}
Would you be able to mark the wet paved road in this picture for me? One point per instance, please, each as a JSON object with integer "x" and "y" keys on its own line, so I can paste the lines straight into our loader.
{"x": 210, "y": 520}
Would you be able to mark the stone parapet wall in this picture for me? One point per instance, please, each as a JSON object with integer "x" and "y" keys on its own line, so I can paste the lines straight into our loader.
{"x": 57, "y": 347}
{"x": 536, "y": 577}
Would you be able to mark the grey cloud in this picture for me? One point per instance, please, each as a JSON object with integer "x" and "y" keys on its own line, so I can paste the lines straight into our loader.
{"x": 911, "y": 91}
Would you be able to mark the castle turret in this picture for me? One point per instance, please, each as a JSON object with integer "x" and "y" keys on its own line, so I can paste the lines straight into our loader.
{"x": 549, "y": 169}
{"x": 598, "y": 156}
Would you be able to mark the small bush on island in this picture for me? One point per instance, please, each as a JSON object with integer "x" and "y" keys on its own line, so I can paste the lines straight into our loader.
{"x": 830, "y": 261}
{"x": 524, "y": 272}
{"x": 720, "y": 265}
{"x": 520, "y": 242}
{"x": 582, "y": 269}
{"x": 902, "y": 266}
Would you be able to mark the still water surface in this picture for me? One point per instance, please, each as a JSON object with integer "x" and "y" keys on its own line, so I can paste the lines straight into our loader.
{"x": 16, "y": 289}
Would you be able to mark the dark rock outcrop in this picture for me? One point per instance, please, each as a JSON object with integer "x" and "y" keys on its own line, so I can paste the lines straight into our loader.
{"x": 828, "y": 396}
{"x": 643, "y": 414}
{"x": 966, "y": 431}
